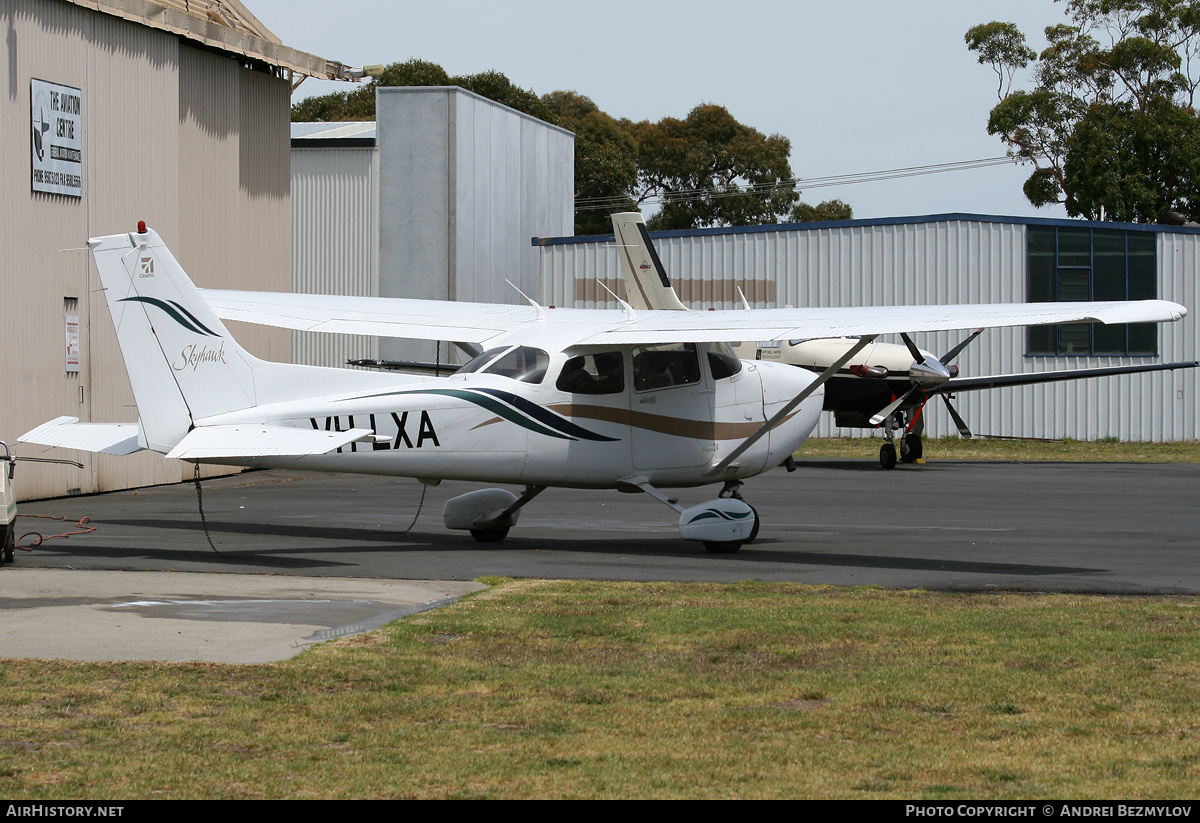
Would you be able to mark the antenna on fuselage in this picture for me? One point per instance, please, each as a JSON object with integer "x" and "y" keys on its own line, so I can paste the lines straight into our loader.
{"x": 630, "y": 314}
{"x": 541, "y": 313}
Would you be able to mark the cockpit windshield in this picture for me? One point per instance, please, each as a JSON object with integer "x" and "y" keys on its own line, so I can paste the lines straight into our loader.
{"x": 524, "y": 363}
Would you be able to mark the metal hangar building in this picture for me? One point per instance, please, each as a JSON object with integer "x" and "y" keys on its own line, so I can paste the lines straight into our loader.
{"x": 437, "y": 199}
{"x": 175, "y": 112}
{"x": 955, "y": 258}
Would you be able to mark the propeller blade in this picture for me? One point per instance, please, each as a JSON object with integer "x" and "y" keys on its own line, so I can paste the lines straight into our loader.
{"x": 958, "y": 421}
{"x": 912, "y": 348}
{"x": 957, "y": 350}
{"x": 887, "y": 410}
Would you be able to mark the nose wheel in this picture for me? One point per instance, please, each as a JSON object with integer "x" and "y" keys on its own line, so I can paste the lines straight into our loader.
{"x": 887, "y": 455}
{"x": 911, "y": 448}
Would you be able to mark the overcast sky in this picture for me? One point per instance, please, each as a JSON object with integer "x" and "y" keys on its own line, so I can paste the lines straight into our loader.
{"x": 856, "y": 87}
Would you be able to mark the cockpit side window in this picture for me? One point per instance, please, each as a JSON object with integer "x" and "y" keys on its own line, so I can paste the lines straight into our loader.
{"x": 722, "y": 361}
{"x": 523, "y": 363}
{"x": 602, "y": 373}
{"x": 477, "y": 362}
{"x": 660, "y": 367}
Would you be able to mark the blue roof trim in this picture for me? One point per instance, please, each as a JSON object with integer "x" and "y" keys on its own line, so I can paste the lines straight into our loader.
{"x": 881, "y": 221}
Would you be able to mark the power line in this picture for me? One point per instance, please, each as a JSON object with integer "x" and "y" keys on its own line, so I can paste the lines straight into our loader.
{"x": 596, "y": 203}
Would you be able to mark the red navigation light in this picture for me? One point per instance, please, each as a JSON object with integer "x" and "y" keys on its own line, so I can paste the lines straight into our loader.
{"x": 141, "y": 227}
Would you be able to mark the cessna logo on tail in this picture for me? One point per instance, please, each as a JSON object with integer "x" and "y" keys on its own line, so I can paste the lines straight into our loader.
{"x": 147, "y": 264}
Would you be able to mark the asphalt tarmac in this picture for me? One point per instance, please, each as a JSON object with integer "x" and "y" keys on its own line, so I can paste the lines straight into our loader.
{"x": 1066, "y": 527}
{"x": 1095, "y": 527}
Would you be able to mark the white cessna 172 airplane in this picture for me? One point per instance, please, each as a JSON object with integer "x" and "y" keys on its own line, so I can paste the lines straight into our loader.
{"x": 604, "y": 399}
{"x": 885, "y": 384}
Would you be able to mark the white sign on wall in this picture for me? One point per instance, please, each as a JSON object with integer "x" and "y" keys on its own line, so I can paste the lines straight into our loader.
{"x": 56, "y": 118}
{"x": 72, "y": 344}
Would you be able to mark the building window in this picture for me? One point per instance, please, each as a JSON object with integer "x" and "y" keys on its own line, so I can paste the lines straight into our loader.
{"x": 1070, "y": 264}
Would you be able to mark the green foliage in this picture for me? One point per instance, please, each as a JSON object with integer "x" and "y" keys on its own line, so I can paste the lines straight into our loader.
{"x": 605, "y": 158}
{"x": 1001, "y": 46}
{"x": 496, "y": 86}
{"x": 826, "y": 210}
{"x": 1103, "y": 450}
{"x": 359, "y": 104}
{"x": 701, "y": 167}
{"x": 412, "y": 73}
{"x": 706, "y": 170}
{"x": 1109, "y": 125}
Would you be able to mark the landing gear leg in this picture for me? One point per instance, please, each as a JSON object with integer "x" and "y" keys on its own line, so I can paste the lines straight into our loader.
{"x": 733, "y": 488}
{"x": 493, "y": 526}
{"x": 911, "y": 448}
{"x": 722, "y": 525}
{"x": 887, "y": 452}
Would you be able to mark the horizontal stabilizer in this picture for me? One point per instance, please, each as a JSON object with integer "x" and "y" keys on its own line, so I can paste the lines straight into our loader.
{"x": 69, "y": 433}
{"x": 261, "y": 440}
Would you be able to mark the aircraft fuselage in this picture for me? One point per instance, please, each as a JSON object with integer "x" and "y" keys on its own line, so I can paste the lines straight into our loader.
{"x": 488, "y": 427}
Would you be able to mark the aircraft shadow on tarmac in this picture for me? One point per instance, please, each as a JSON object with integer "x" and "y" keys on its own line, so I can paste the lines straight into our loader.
{"x": 345, "y": 541}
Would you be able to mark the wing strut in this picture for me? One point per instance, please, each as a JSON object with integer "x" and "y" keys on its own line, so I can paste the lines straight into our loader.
{"x": 863, "y": 342}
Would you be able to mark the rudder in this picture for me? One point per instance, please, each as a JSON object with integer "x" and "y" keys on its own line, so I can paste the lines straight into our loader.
{"x": 182, "y": 362}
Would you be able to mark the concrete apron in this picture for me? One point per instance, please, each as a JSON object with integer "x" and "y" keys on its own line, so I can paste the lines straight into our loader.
{"x": 180, "y": 616}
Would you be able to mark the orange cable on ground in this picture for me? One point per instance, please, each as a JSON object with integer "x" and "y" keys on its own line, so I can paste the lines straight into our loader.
{"x": 84, "y": 529}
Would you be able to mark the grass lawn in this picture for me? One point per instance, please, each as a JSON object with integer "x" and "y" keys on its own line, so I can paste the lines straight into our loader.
{"x": 612, "y": 690}
{"x": 956, "y": 448}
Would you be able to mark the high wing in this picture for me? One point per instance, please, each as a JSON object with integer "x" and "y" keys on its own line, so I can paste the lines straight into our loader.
{"x": 995, "y": 381}
{"x": 494, "y": 324}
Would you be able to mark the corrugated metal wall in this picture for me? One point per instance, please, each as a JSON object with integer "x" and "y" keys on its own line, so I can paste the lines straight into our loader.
{"x": 152, "y": 151}
{"x": 908, "y": 263}
{"x": 335, "y": 241}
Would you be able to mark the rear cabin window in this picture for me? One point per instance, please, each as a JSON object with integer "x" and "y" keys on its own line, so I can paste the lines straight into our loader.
{"x": 602, "y": 373}
{"x": 661, "y": 367}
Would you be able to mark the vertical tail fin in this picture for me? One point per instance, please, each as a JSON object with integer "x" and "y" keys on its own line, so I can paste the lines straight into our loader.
{"x": 646, "y": 283}
{"x": 183, "y": 364}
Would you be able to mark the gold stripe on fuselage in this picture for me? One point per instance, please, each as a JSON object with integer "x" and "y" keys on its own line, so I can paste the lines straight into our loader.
{"x": 661, "y": 423}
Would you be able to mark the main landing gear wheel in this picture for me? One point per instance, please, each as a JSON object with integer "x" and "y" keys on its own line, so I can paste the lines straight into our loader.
{"x": 911, "y": 448}
{"x": 887, "y": 456}
{"x": 489, "y": 535}
{"x": 724, "y": 546}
